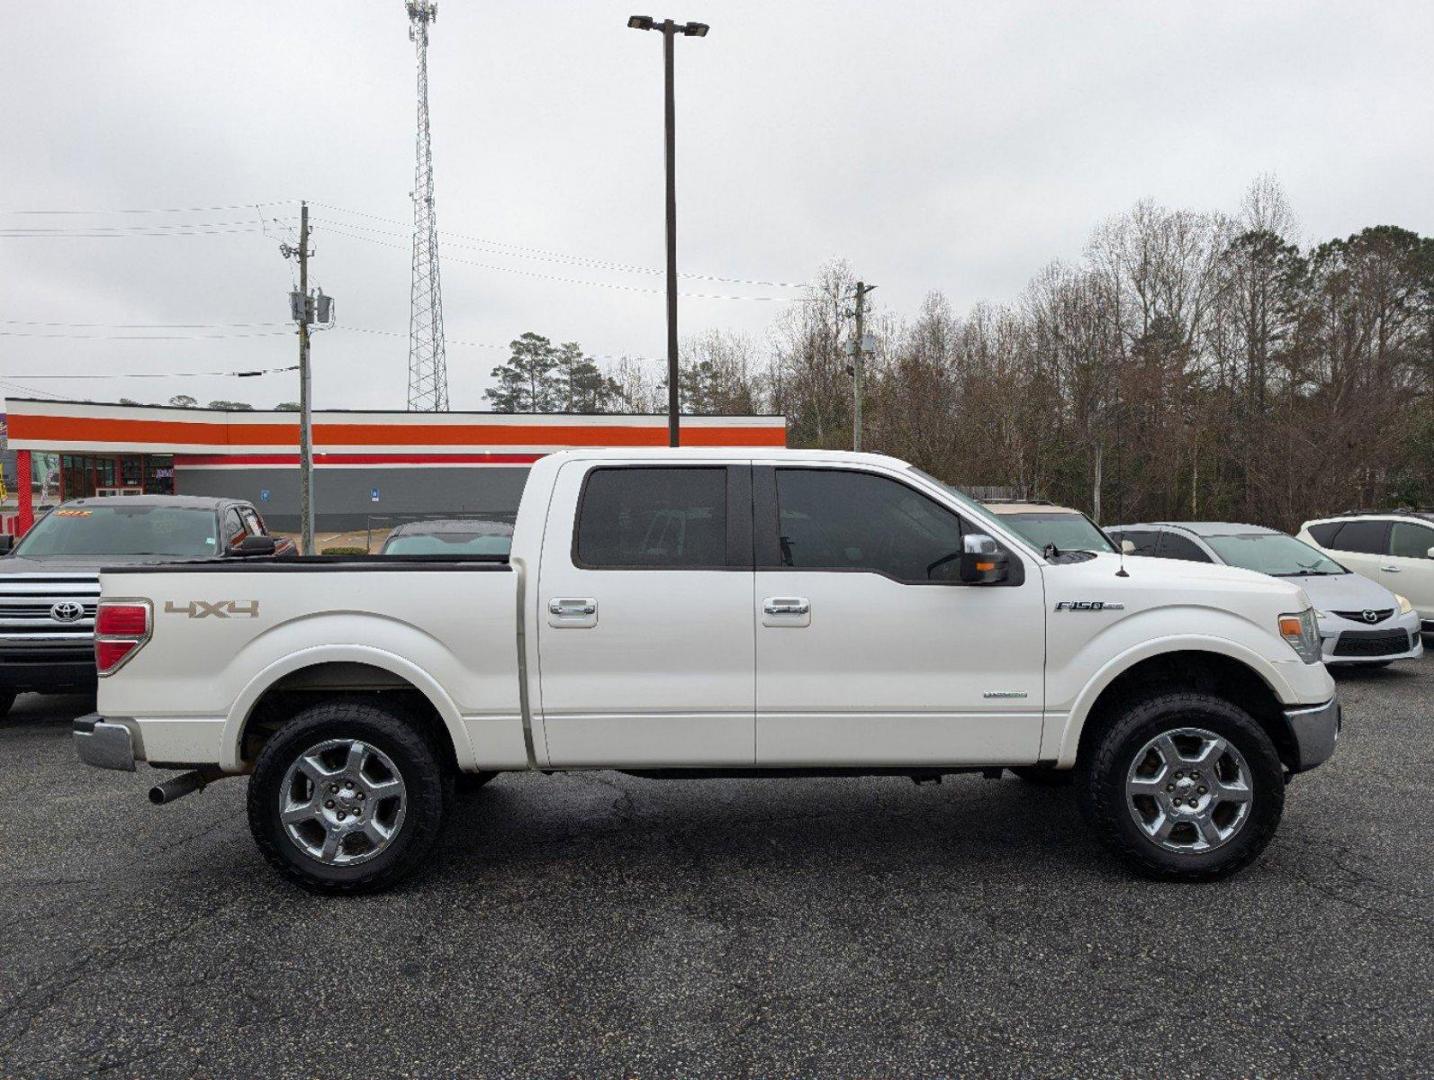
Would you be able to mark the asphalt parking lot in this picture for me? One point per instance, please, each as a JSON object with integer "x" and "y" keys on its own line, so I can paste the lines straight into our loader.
{"x": 600, "y": 925}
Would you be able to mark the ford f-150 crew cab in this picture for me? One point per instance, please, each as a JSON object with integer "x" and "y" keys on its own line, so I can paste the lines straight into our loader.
{"x": 704, "y": 612}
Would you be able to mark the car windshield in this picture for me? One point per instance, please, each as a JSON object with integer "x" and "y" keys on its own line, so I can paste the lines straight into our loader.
{"x": 454, "y": 543}
{"x": 1275, "y": 554}
{"x": 79, "y": 531}
{"x": 1068, "y": 531}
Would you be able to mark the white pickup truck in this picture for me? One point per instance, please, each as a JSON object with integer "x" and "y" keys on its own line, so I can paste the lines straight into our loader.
{"x": 681, "y": 613}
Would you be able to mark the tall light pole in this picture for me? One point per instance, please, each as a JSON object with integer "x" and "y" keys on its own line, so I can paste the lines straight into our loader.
{"x": 670, "y": 30}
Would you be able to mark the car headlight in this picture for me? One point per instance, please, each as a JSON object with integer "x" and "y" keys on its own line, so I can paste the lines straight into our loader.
{"x": 1405, "y": 607}
{"x": 1302, "y": 634}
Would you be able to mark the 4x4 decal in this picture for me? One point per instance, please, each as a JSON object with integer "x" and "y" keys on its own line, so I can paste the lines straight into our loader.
{"x": 222, "y": 609}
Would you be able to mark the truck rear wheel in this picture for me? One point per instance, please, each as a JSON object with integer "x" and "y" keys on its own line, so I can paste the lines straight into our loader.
{"x": 1184, "y": 786}
{"x": 347, "y": 797}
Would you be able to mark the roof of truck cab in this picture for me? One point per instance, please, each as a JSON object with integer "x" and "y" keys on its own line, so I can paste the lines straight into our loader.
{"x": 724, "y": 453}
{"x": 183, "y": 502}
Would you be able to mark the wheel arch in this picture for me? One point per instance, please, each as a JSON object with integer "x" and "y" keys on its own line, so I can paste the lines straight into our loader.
{"x": 286, "y": 685}
{"x": 1221, "y": 669}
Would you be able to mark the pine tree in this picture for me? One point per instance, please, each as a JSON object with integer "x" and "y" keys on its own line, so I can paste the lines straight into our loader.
{"x": 527, "y": 383}
{"x": 581, "y": 385}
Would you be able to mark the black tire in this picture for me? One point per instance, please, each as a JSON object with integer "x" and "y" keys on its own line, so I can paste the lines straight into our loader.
{"x": 466, "y": 783}
{"x": 1106, "y": 763}
{"x": 7, "y": 700}
{"x": 1044, "y": 775}
{"x": 428, "y": 790}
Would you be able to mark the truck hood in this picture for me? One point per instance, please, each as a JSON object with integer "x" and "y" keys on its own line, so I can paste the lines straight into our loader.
{"x": 1345, "y": 592}
{"x": 86, "y": 564}
{"x": 1154, "y": 582}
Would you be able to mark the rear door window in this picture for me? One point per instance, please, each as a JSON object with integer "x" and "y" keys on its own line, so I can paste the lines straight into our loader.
{"x": 1175, "y": 546}
{"x": 1324, "y": 532}
{"x": 652, "y": 519}
{"x": 1143, "y": 539}
{"x": 1362, "y": 537}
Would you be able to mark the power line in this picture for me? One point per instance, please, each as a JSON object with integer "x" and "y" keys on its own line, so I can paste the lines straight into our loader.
{"x": 172, "y": 374}
{"x": 528, "y": 251}
{"x": 152, "y": 210}
{"x": 578, "y": 281}
{"x": 141, "y": 337}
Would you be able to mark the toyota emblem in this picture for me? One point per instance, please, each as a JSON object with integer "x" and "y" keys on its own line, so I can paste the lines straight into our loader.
{"x": 1371, "y": 615}
{"x": 67, "y": 611}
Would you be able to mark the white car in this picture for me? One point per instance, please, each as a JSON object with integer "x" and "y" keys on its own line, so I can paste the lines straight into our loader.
{"x": 1395, "y": 549}
{"x": 716, "y": 611}
{"x": 1360, "y": 621}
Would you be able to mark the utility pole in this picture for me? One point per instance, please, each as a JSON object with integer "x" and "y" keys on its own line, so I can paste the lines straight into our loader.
{"x": 669, "y": 29}
{"x": 859, "y": 348}
{"x": 306, "y": 433}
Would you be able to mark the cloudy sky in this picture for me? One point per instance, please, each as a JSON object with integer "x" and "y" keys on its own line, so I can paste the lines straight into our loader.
{"x": 939, "y": 145}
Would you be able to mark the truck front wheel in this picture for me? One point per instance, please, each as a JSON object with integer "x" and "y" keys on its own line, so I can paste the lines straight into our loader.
{"x": 347, "y": 797}
{"x": 1184, "y": 786}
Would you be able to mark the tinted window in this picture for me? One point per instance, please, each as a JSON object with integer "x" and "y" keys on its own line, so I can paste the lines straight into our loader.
{"x": 1144, "y": 541}
{"x": 1175, "y": 546}
{"x": 653, "y": 518}
{"x": 1366, "y": 537}
{"x": 833, "y": 520}
{"x": 1324, "y": 533}
{"x": 1410, "y": 541}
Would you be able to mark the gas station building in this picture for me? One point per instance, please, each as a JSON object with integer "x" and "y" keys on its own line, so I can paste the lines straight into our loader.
{"x": 367, "y": 465}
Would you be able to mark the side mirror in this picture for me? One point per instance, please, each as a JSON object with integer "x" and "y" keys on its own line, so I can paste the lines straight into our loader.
{"x": 253, "y": 546}
{"x": 1127, "y": 547}
{"x": 982, "y": 561}
{"x": 7, "y": 542}
{"x": 1430, "y": 553}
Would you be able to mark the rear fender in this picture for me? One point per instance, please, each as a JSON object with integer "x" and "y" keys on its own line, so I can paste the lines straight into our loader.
{"x": 231, "y": 760}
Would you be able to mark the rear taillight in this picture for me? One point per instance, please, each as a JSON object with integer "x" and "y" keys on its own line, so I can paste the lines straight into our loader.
{"x": 121, "y": 629}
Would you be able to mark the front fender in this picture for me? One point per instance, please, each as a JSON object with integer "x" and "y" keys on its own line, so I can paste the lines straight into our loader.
{"x": 1293, "y": 682}
{"x": 231, "y": 759}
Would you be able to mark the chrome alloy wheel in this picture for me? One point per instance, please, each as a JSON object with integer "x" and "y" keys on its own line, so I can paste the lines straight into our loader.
{"x": 342, "y": 801}
{"x": 1189, "y": 790}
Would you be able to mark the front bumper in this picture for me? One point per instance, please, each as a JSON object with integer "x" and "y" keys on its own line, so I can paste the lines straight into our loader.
{"x": 104, "y": 744}
{"x": 1344, "y": 641}
{"x": 1315, "y": 730}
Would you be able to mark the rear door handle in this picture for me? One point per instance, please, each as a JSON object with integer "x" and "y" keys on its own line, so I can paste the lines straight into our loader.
{"x": 572, "y": 612}
{"x": 1390, "y": 569}
{"x": 786, "y": 611}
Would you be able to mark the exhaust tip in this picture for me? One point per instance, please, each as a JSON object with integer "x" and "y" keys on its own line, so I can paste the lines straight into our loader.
{"x": 176, "y": 787}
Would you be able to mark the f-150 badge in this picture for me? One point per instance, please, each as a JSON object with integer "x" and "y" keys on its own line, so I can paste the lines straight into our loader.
{"x": 1088, "y": 605}
{"x": 220, "y": 609}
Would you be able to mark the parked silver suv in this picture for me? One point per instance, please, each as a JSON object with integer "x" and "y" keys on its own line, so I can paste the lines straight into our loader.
{"x": 1360, "y": 621}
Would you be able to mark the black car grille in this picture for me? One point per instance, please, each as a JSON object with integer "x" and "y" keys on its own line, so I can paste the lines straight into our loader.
{"x": 1359, "y": 616}
{"x": 1378, "y": 643}
{"x": 28, "y": 627}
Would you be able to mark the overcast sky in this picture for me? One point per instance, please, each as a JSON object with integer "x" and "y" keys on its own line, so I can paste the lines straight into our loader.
{"x": 939, "y": 145}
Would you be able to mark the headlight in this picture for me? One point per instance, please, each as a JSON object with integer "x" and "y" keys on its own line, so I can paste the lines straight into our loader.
{"x": 1405, "y": 607}
{"x": 1302, "y": 634}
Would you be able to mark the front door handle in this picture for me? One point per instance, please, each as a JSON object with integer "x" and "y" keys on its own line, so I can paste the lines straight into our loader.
{"x": 574, "y": 612}
{"x": 786, "y": 611}
{"x": 1390, "y": 569}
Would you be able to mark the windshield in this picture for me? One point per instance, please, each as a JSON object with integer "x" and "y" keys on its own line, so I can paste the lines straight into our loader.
{"x": 449, "y": 544}
{"x": 1275, "y": 554}
{"x": 78, "y": 531}
{"x": 1068, "y": 532}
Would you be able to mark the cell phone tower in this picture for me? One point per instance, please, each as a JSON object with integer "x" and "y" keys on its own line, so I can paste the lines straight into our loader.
{"x": 427, "y": 365}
